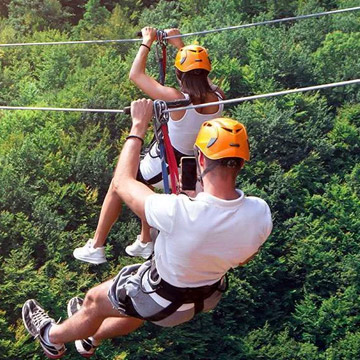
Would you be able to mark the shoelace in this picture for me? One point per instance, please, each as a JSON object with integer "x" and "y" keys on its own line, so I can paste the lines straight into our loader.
{"x": 38, "y": 316}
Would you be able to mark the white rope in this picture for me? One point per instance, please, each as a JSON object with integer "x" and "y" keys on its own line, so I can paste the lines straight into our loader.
{"x": 268, "y": 95}
{"x": 266, "y": 22}
{"x": 116, "y": 111}
{"x": 230, "y": 101}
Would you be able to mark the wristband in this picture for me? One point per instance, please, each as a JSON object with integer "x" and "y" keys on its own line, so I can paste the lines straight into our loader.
{"x": 135, "y": 137}
{"x": 148, "y": 47}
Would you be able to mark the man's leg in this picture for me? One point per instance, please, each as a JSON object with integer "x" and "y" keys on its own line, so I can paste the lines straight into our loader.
{"x": 88, "y": 319}
{"x": 114, "y": 327}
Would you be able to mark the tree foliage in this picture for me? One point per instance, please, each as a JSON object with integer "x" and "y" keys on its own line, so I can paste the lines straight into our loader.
{"x": 298, "y": 299}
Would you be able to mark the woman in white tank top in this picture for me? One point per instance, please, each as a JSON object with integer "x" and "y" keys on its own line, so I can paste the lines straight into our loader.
{"x": 192, "y": 67}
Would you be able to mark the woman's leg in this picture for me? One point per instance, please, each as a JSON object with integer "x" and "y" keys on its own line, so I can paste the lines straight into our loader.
{"x": 110, "y": 211}
{"x": 145, "y": 232}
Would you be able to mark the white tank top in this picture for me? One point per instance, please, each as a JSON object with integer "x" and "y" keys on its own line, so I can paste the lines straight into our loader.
{"x": 183, "y": 132}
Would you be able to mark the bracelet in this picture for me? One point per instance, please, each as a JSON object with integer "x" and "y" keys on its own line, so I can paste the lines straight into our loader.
{"x": 148, "y": 47}
{"x": 135, "y": 137}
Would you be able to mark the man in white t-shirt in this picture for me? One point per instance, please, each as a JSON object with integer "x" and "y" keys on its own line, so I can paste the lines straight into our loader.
{"x": 200, "y": 239}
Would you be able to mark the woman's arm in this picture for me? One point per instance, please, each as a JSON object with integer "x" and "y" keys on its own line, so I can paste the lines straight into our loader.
{"x": 145, "y": 82}
{"x": 176, "y": 42}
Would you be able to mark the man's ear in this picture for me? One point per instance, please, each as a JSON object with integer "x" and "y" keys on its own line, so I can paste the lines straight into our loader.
{"x": 201, "y": 159}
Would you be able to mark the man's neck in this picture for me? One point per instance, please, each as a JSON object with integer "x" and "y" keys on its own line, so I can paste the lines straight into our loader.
{"x": 224, "y": 190}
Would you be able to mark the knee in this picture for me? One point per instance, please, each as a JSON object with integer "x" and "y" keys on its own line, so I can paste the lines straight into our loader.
{"x": 114, "y": 188}
{"x": 92, "y": 300}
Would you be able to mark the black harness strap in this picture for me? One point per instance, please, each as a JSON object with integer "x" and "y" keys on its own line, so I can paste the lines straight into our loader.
{"x": 178, "y": 296}
{"x": 128, "y": 307}
{"x": 161, "y": 315}
{"x": 175, "y": 295}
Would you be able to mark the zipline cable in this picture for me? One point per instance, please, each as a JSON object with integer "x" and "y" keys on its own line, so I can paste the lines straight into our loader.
{"x": 243, "y": 26}
{"x": 268, "y": 95}
{"x": 116, "y": 111}
{"x": 266, "y": 22}
{"x": 75, "y": 42}
{"x": 225, "y": 102}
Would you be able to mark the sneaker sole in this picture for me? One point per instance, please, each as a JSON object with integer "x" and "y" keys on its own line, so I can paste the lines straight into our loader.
{"x": 49, "y": 356}
{"x": 136, "y": 254}
{"x": 86, "y": 356}
{"x": 80, "y": 350}
{"x": 89, "y": 260}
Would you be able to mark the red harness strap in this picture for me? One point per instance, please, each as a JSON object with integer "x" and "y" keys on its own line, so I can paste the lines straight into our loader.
{"x": 171, "y": 160}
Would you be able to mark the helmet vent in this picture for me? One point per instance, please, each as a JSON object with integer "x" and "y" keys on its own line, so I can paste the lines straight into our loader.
{"x": 211, "y": 142}
{"x": 234, "y": 145}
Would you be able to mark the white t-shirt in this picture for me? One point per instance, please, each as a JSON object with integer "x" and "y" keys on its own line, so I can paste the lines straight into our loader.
{"x": 201, "y": 239}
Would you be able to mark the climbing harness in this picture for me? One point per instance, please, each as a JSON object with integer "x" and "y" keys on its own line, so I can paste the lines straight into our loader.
{"x": 242, "y": 26}
{"x": 175, "y": 295}
{"x": 151, "y": 283}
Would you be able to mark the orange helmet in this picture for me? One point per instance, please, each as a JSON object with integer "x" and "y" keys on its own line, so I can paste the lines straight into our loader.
{"x": 223, "y": 138}
{"x": 192, "y": 57}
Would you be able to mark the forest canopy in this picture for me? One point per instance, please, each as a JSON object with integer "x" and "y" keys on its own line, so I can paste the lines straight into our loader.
{"x": 299, "y": 298}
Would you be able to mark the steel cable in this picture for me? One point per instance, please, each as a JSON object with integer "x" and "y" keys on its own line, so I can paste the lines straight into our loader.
{"x": 225, "y": 102}
{"x": 243, "y": 26}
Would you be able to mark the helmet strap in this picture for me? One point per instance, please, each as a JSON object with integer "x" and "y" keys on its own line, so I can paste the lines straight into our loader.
{"x": 210, "y": 167}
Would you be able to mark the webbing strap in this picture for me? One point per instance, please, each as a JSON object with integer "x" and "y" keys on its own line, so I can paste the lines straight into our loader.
{"x": 171, "y": 160}
{"x": 164, "y": 60}
{"x": 164, "y": 168}
{"x": 167, "y": 153}
{"x": 161, "y": 55}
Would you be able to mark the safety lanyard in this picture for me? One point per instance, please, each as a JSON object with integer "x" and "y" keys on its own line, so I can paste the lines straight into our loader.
{"x": 166, "y": 150}
{"x": 161, "y": 54}
{"x": 167, "y": 155}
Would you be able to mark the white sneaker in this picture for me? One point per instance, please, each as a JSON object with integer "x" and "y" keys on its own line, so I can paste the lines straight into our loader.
{"x": 140, "y": 249}
{"x": 90, "y": 254}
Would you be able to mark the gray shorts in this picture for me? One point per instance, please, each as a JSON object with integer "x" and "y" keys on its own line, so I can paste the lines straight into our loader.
{"x": 129, "y": 278}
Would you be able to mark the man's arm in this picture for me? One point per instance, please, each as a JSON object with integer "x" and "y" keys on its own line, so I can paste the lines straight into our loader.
{"x": 131, "y": 191}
